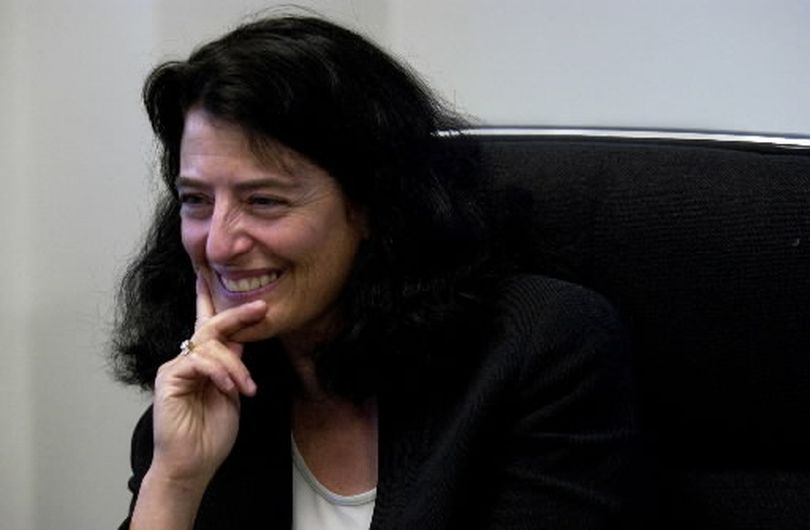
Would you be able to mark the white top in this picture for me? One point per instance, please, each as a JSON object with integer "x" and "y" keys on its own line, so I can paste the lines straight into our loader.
{"x": 317, "y": 508}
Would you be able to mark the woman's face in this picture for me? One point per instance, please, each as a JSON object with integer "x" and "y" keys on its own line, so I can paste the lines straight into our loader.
{"x": 277, "y": 229}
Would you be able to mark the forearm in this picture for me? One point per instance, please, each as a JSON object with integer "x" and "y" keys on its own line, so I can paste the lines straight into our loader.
{"x": 195, "y": 418}
{"x": 164, "y": 503}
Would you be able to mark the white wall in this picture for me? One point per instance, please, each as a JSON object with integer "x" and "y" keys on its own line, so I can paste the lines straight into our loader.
{"x": 685, "y": 64}
{"x": 76, "y": 155}
{"x": 16, "y": 407}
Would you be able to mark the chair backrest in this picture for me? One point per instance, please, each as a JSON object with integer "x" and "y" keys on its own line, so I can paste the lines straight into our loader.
{"x": 705, "y": 247}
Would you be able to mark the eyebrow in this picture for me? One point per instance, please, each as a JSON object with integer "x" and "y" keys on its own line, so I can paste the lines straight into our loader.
{"x": 248, "y": 185}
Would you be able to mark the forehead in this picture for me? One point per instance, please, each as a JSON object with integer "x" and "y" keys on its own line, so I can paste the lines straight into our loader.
{"x": 204, "y": 134}
{"x": 208, "y": 141}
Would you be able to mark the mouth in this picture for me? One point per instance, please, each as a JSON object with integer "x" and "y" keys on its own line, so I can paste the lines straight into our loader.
{"x": 247, "y": 284}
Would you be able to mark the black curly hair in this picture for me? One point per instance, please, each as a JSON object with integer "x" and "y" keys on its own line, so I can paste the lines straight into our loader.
{"x": 329, "y": 94}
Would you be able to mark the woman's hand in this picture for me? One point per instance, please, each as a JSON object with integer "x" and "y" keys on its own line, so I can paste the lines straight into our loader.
{"x": 196, "y": 411}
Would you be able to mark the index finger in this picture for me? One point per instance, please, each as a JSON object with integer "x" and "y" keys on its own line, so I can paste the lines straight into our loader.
{"x": 205, "y": 306}
{"x": 230, "y": 321}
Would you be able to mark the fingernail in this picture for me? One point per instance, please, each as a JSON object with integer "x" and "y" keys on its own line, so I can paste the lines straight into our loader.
{"x": 250, "y": 385}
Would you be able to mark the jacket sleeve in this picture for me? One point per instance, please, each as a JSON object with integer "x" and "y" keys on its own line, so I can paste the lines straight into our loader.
{"x": 568, "y": 457}
{"x": 140, "y": 459}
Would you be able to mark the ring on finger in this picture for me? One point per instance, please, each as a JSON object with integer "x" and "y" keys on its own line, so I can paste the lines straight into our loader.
{"x": 186, "y": 347}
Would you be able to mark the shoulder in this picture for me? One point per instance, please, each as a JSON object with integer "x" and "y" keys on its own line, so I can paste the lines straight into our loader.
{"x": 549, "y": 296}
{"x": 551, "y": 332}
{"x": 554, "y": 395}
{"x": 554, "y": 308}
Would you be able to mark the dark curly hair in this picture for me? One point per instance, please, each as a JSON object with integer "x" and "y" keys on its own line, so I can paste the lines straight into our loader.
{"x": 335, "y": 98}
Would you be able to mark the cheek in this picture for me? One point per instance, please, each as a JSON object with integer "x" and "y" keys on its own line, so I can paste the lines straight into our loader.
{"x": 194, "y": 239}
{"x": 312, "y": 247}
{"x": 295, "y": 238}
{"x": 329, "y": 251}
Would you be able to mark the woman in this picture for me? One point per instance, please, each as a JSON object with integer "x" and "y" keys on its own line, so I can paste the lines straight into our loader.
{"x": 351, "y": 357}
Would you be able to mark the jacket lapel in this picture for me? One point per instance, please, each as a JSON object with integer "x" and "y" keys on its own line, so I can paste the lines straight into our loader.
{"x": 403, "y": 445}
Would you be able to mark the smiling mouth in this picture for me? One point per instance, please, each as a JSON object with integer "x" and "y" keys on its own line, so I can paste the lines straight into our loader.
{"x": 244, "y": 285}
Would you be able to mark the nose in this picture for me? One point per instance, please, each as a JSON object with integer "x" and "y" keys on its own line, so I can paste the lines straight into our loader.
{"x": 228, "y": 237}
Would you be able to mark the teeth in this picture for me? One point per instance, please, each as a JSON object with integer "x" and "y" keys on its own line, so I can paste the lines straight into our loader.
{"x": 249, "y": 284}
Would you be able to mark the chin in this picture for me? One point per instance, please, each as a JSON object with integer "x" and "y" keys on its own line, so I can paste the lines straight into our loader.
{"x": 255, "y": 333}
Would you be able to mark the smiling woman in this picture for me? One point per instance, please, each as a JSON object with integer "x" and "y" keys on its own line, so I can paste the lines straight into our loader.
{"x": 353, "y": 353}
{"x": 274, "y": 230}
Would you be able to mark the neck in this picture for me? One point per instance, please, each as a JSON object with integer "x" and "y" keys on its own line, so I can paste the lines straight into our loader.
{"x": 300, "y": 350}
{"x": 338, "y": 441}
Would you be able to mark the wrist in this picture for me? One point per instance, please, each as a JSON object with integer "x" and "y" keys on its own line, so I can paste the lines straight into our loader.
{"x": 175, "y": 484}
{"x": 165, "y": 501}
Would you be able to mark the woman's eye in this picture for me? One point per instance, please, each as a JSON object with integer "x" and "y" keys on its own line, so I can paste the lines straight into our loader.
{"x": 191, "y": 198}
{"x": 263, "y": 201}
{"x": 194, "y": 204}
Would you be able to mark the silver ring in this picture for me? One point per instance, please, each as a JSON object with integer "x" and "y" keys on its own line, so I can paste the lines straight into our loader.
{"x": 186, "y": 347}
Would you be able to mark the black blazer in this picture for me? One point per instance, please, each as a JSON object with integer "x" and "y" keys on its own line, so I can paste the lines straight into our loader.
{"x": 535, "y": 428}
